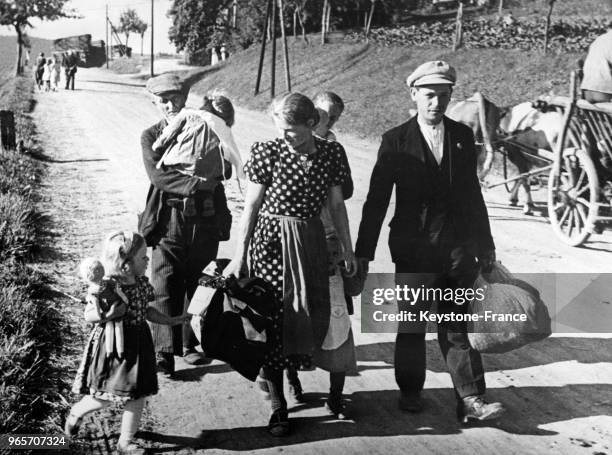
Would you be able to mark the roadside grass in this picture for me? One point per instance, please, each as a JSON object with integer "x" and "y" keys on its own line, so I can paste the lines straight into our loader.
{"x": 371, "y": 79}
{"x": 33, "y": 324}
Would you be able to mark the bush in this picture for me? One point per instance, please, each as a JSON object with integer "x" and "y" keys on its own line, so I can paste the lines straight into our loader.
{"x": 18, "y": 230}
{"x": 30, "y": 338}
{"x": 565, "y": 36}
{"x": 18, "y": 172}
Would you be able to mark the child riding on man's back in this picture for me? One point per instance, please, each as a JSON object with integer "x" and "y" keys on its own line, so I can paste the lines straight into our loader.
{"x": 198, "y": 142}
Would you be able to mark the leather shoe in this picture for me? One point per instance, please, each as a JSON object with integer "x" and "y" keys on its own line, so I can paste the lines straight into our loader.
{"x": 336, "y": 408}
{"x": 165, "y": 363}
{"x": 193, "y": 357}
{"x": 410, "y": 402}
{"x": 278, "y": 426}
{"x": 476, "y": 408}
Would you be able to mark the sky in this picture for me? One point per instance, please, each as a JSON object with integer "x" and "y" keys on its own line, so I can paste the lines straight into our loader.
{"x": 92, "y": 22}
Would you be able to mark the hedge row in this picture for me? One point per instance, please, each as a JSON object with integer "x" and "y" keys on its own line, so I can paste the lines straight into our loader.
{"x": 573, "y": 35}
{"x": 31, "y": 325}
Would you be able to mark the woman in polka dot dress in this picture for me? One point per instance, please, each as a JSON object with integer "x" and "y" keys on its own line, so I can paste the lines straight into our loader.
{"x": 290, "y": 179}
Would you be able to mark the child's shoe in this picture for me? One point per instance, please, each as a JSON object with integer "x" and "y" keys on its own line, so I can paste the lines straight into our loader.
{"x": 130, "y": 448}
{"x": 71, "y": 427}
{"x": 296, "y": 392}
{"x": 278, "y": 426}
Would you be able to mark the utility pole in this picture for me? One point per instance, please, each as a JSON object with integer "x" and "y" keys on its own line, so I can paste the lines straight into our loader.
{"x": 282, "y": 24}
{"x": 106, "y": 30}
{"x": 152, "y": 35}
{"x": 273, "y": 32}
{"x": 263, "y": 47}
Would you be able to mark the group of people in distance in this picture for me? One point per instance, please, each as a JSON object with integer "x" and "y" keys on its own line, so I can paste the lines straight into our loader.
{"x": 47, "y": 71}
{"x": 294, "y": 232}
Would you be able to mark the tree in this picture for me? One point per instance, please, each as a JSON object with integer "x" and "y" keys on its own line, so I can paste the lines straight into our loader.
{"x": 129, "y": 22}
{"x": 142, "y": 28}
{"x": 300, "y": 15}
{"x": 458, "y": 38}
{"x": 195, "y": 23}
{"x": 551, "y": 4}
{"x": 18, "y": 13}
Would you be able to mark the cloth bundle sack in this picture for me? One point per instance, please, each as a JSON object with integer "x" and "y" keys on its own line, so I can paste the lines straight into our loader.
{"x": 507, "y": 294}
{"x": 230, "y": 317}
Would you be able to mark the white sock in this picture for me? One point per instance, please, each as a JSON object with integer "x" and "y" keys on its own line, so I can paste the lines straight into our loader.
{"x": 130, "y": 420}
{"x": 87, "y": 405}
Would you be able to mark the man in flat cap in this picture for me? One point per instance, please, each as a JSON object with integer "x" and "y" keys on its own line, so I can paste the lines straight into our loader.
{"x": 179, "y": 226}
{"x": 439, "y": 235}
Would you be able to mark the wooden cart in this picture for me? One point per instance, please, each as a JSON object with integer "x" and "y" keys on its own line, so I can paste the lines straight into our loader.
{"x": 578, "y": 172}
{"x": 580, "y": 181}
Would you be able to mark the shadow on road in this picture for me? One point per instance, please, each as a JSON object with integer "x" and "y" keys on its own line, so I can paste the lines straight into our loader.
{"x": 550, "y": 350}
{"x": 195, "y": 374}
{"x": 376, "y": 415}
{"x": 124, "y": 84}
{"x": 45, "y": 159}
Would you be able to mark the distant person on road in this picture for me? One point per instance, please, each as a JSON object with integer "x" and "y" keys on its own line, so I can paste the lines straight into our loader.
{"x": 214, "y": 56}
{"x": 290, "y": 179}
{"x": 341, "y": 359}
{"x": 439, "y": 238}
{"x": 39, "y": 69}
{"x": 105, "y": 378}
{"x": 70, "y": 68}
{"x": 46, "y": 77}
{"x": 183, "y": 231}
{"x": 55, "y": 74}
{"x": 597, "y": 80}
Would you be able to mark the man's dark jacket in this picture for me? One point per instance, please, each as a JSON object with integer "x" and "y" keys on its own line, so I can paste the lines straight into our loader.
{"x": 433, "y": 203}
{"x": 165, "y": 183}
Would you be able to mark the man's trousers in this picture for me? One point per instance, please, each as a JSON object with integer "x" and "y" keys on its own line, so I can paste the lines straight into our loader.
{"x": 177, "y": 262}
{"x": 463, "y": 362}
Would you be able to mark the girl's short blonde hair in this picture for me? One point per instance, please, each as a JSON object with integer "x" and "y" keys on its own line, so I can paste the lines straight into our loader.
{"x": 120, "y": 247}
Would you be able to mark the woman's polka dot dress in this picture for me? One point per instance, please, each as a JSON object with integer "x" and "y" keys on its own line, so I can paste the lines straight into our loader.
{"x": 297, "y": 186}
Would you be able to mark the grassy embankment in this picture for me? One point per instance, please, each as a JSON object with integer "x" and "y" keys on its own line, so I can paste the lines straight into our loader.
{"x": 371, "y": 79}
{"x": 32, "y": 326}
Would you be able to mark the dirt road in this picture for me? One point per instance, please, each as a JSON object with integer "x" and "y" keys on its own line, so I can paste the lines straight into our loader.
{"x": 558, "y": 392}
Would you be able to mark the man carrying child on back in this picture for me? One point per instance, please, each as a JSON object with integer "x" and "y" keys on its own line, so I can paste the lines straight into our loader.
{"x": 186, "y": 212}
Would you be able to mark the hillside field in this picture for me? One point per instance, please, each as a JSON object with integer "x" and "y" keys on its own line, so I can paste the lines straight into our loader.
{"x": 371, "y": 79}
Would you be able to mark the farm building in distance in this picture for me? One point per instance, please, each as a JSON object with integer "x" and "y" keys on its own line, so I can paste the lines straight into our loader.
{"x": 91, "y": 53}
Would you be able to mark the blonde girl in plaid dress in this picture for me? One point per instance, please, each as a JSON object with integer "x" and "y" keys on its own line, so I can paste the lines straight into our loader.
{"x": 131, "y": 378}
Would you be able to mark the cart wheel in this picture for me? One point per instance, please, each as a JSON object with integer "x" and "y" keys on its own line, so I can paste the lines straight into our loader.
{"x": 572, "y": 197}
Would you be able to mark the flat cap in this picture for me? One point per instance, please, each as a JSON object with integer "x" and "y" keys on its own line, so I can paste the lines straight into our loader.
{"x": 166, "y": 83}
{"x": 434, "y": 72}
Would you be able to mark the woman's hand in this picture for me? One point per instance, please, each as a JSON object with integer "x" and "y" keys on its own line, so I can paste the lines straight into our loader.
{"x": 181, "y": 319}
{"x": 235, "y": 268}
{"x": 351, "y": 263}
